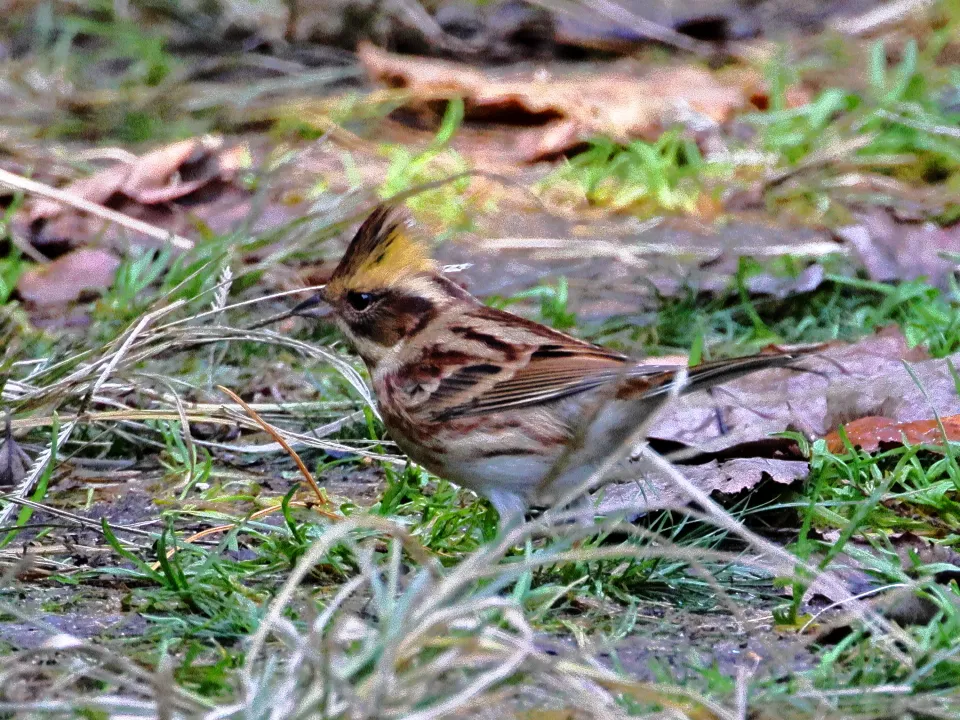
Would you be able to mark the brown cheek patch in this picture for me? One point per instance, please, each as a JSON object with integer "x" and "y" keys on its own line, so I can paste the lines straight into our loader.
{"x": 396, "y": 318}
{"x": 413, "y": 313}
{"x": 374, "y": 328}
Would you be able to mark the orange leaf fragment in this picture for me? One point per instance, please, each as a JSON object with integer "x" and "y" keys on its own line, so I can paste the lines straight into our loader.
{"x": 870, "y": 432}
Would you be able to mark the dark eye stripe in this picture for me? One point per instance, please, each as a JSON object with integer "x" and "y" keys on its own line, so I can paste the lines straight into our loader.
{"x": 390, "y": 316}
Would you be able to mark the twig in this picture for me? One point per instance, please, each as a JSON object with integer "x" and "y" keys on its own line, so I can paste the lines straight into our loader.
{"x": 230, "y": 526}
{"x": 418, "y": 18}
{"x": 263, "y": 512}
{"x": 286, "y": 446}
{"x": 643, "y": 27}
{"x": 945, "y": 131}
{"x": 877, "y": 17}
{"x": 40, "y": 464}
{"x": 62, "y": 196}
{"x": 79, "y": 520}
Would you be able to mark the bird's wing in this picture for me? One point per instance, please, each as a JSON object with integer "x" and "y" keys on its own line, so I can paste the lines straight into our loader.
{"x": 555, "y": 372}
{"x": 545, "y": 373}
{"x": 487, "y": 360}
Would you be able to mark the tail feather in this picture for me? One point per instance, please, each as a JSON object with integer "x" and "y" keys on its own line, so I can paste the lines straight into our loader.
{"x": 707, "y": 375}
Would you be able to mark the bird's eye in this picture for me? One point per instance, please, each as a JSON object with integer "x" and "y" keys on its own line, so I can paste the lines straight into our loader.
{"x": 359, "y": 301}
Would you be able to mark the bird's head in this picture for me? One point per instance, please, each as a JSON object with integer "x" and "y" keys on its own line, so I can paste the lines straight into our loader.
{"x": 386, "y": 289}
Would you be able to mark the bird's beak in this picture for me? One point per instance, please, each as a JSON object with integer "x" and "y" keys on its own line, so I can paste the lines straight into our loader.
{"x": 311, "y": 307}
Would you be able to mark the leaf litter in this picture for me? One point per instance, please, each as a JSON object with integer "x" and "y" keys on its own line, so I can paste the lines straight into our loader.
{"x": 727, "y": 440}
{"x": 69, "y": 277}
{"x": 890, "y": 249}
{"x": 878, "y": 432}
{"x": 570, "y": 108}
{"x": 161, "y": 187}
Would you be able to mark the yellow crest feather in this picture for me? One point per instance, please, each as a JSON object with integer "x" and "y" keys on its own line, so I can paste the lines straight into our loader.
{"x": 385, "y": 250}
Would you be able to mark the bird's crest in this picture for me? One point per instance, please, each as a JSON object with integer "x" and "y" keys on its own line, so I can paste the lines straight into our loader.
{"x": 386, "y": 250}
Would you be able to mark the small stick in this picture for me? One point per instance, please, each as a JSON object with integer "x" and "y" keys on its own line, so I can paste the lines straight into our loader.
{"x": 271, "y": 431}
{"x": 38, "y": 188}
{"x": 878, "y": 17}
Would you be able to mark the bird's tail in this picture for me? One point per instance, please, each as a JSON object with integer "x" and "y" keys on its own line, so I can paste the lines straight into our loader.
{"x": 709, "y": 374}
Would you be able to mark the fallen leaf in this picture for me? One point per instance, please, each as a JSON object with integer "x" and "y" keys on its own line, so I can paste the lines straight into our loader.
{"x": 65, "y": 279}
{"x": 846, "y": 382}
{"x": 147, "y": 188}
{"x": 571, "y": 108}
{"x": 657, "y": 491}
{"x": 870, "y": 433}
{"x": 98, "y": 188}
{"x": 893, "y": 250}
{"x": 157, "y": 176}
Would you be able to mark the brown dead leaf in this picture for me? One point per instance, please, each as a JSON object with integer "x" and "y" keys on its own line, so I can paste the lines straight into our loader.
{"x": 98, "y": 188}
{"x": 573, "y": 108}
{"x": 66, "y": 278}
{"x": 847, "y": 382}
{"x": 870, "y": 433}
{"x": 146, "y": 189}
{"x": 893, "y": 250}
{"x": 157, "y": 178}
{"x": 655, "y": 491}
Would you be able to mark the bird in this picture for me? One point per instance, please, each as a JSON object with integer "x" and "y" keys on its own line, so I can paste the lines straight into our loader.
{"x": 511, "y": 409}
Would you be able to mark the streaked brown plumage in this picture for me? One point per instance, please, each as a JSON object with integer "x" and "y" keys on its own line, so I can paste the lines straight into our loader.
{"x": 509, "y": 408}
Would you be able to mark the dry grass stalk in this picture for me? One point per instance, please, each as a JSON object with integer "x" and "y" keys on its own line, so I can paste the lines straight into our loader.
{"x": 34, "y": 187}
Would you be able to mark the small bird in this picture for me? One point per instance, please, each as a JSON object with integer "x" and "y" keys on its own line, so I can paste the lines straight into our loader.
{"x": 509, "y": 408}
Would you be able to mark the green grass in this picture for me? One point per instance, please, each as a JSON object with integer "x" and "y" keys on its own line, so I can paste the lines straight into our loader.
{"x": 647, "y": 178}
{"x": 896, "y": 127}
{"x": 10, "y": 271}
{"x": 201, "y": 603}
{"x": 841, "y": 309}
{"x": 414, "y": 597}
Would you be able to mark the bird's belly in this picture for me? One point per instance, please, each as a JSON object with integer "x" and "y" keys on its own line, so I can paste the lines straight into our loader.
{"x": 536, "y": 455}
{"x": 518, "y": 474}
{"x": 584, "y": 465}
{"x": 485, "y": 454}
{"x": 483, "y": 465}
